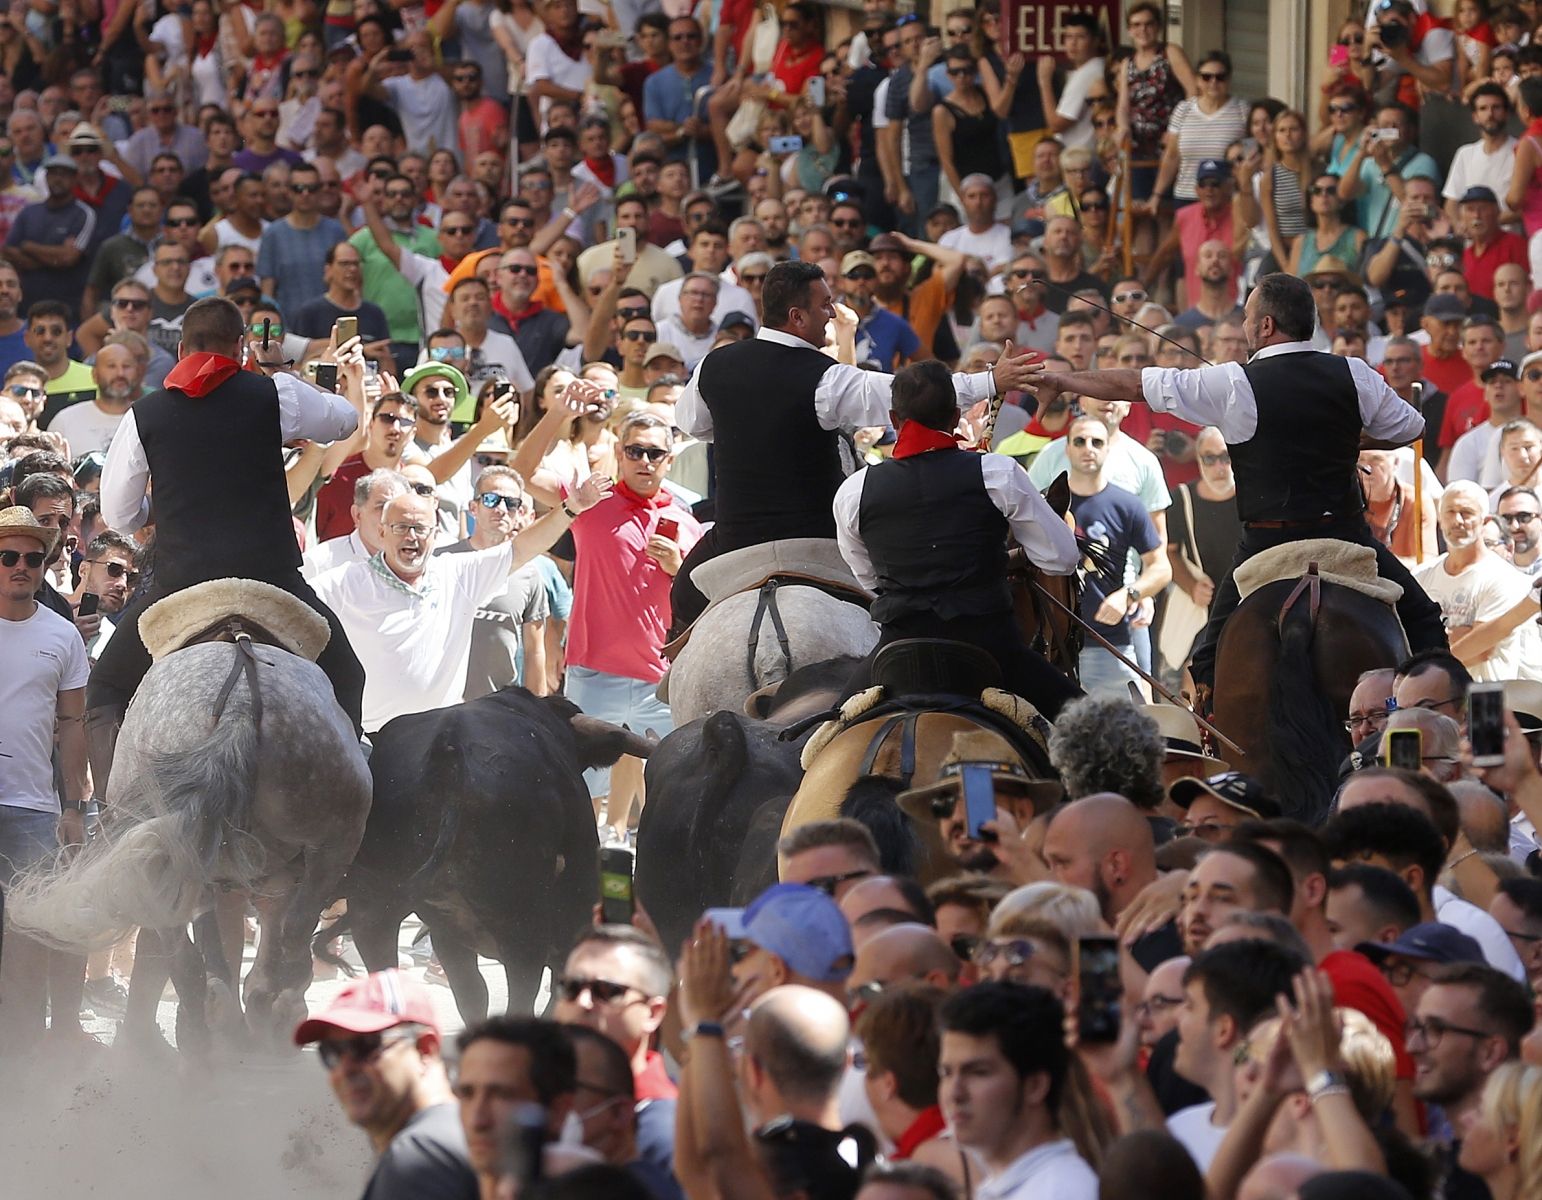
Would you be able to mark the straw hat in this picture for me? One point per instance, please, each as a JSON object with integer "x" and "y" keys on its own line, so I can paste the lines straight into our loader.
{"x": 1180, "y": 732}
{"x": 18, "y": 521}
{"x": 980, "y": 748}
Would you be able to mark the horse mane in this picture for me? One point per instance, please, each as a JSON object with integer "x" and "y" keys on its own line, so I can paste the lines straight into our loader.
{"x": 873, "y": 800}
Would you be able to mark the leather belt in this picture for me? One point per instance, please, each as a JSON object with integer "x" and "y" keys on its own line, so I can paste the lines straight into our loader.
{"x": 1313, "y": 523}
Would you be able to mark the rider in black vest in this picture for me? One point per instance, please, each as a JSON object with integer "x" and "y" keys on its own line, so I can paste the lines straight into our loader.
{"x": 1295, "y": 420}
{"x": 212, "y": 443}
{"x": 928, "y": 531}
{"x": 773, "y": 407}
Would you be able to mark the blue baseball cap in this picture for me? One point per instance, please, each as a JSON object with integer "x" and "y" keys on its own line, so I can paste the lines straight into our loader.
{"x": 1431, "y": 942}
{"x": 1212, "y": 168}
{"x": 801, "y": 926}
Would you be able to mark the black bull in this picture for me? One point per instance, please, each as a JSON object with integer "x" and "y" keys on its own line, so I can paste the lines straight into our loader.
{"x": 482, "y": 825}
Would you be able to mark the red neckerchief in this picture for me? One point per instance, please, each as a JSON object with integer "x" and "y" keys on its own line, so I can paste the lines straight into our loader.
{"x": 916, "y": 438}
{"x": 449, "y": 262}
{"x": 95, "y": 199}
{"x": 1534, "y": 129}
{"x": 523, "y": 314}
{"x": 262, "y": 62}
{"x": 604, "y": 169}
{"x": 927, "y": 1125}
{"x": 660, "y": 499}
{"x": 206, "y": 44}
{"x": 199, "y": 374}
{"x": 1032, "y": 317}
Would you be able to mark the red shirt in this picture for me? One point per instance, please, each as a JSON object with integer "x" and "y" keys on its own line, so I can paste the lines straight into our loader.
{"x": 1139, "y": 425}
{"x": 927, "y": 1125}
{"x": 482, "y": 126}
{"x": 334, "y": 500}
{"x": 1479, "y": 268}
{"x": 1360, "y": 986}
{"x": 1465, "y": 408}
{"x": 1447, "y": 374}
{"x": 1195, "y": 228}
{"x": 621, "y": 608}
{"x": 653, "y": 1082}
{"x": 795, "y": 68}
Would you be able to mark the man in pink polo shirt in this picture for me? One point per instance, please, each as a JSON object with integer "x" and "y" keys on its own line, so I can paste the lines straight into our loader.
{"x": 627, "y": 550}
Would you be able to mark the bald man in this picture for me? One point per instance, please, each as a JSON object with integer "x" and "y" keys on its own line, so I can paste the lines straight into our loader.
{"x": 1485, "y": 818}
{"x": 883, "y": 893}
{"x": 1103, "y": 843}
{"x": 1162, "y": 1001}
{"x": 794, "y": 1057}
{"x": 904, "y": 953}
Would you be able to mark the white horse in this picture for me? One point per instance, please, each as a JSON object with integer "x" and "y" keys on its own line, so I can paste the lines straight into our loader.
{"x": 235, "y": 769}
{"x": 771, "y": 611}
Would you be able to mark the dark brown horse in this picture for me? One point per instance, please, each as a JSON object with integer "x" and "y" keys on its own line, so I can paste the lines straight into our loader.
{"x": 1287, "y": 662}
{"x": 1043, "y": 604}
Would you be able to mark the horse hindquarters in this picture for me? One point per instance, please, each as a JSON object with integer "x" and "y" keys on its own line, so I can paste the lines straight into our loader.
{"x": 1303, "y": 721}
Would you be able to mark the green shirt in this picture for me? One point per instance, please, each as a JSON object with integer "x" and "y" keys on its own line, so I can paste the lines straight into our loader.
{"x": 384, "y": 285}
{"x": 74, "y": 386}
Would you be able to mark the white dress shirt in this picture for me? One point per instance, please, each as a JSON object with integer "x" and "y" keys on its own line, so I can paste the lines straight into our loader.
{"x": 1222, "y": 396}
{"x": 303, "y": 412}
{"x": 847, "y": 397}
{"x": 1035, "y": 526}
{"x": 1053, "y": 1171}
{"x": 334, "y": 552}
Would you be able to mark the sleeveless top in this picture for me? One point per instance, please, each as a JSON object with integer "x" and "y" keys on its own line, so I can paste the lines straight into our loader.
{"x": 1153, "y": 94}
{"x": 1342, "y": 248}
{"x": 1531, "y": 206}
{"x": 975, "y": 148}
{"x": 1289, "y": 203}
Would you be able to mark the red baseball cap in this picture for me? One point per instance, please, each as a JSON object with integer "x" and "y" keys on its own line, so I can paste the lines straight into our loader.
{"x": 381, "y": 1000}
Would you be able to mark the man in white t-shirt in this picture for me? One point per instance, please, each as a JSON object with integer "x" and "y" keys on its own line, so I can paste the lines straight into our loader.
{"x": 1070, "y": 113}
{"x": 43, "y": 672}
{"x": 556, "y": 68}
{"x": 1487, "y": 605}
{"x": 409, "y": 612}
{"x": 1475, "y": 455}
{"x": 489, "y": 354}
{"x": 120, "y": 380}
{"x": 418, "y": 93}
{"x": 371, "y": 494}
{"x": 981, "y": 235}
{"x": 1488, "y": 162}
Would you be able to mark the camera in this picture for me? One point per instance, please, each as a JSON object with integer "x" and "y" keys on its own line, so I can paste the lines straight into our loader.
{"x": 1393, "y": 33}
{"x": 1175, "y": 443}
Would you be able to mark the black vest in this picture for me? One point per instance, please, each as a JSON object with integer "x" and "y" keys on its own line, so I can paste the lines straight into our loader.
{"x": 937, "y": 541}
{"x": 777, "y": 469}
{"x": 217, "y": 469}
{"x": 1301, "y": 462}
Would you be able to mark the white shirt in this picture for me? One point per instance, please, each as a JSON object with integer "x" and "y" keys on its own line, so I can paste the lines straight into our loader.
{"x": 1222, "y": 396}
{"x": 427, "y": 108}
{"x": 1073, "y": 104}
{"x": 39, "y": 658}
{"x": 201, "y": 279}
{"x": 428, "y": 276}
{"x": 673, "y": 333}
{"x": 334, "y": 552}
{"x": 546, "y": 60}
{"x": 86, "y": 427}
{"x": 731, "y": 297}
{"x": 1472, "y": 166}
{"x": 1498, "y": 949}
{"x": 1486, "y": 590}
{"x": 1196, "y": 1129}
{"x": 499, "y": 354}
{"x": 303, "y": 412}
{"x": 994, "y": 246}
{"x": 1475, "y": 456}
{"x": 1035, "y": 526}
{"x": 846, "y": 396}
{"x": 414, "y": 641}
{"x": 1053, "y": 1171}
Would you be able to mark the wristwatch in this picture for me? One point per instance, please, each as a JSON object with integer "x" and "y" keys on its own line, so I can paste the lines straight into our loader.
{"x": 1133, "y": 593}
{"x": 705, "y": 1029}
{"x": 74, "y": 805}
{"x": 1325, "y": 1082}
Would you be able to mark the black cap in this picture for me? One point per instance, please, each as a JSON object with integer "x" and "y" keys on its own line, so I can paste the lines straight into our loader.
{"x": 1500, "y": 366}
{"x": 1232, "y": 788}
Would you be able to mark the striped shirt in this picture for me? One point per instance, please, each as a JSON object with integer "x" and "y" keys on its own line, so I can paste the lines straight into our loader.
{"x": 1204, "y": 135}
{"x": 1289, "y": 203}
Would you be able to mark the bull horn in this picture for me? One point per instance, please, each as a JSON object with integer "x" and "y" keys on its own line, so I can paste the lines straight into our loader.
{"x": 635, "y": 744}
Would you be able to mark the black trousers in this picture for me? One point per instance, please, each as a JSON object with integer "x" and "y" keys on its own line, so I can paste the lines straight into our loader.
{"x": 125, "y": 660}
{"x": 1024, "y": 673}
{"x": 686, "y": 602}
{"x": 1420, "y": 615}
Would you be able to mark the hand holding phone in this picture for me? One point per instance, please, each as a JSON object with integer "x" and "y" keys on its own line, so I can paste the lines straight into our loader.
{"x": 979, "y": 799}
{"x": 668, "y": 529}
{"x": 1486, "y": 723}
{"x": 326, "y": 376}
{"x": 1403, "y": 748}
{"x": 1098, "y": 989}
{"x": 626, "y": 239}
{"x": 346, "y": 329}
{"x": 89, "y": 603}
{"x": 616, "y": 900}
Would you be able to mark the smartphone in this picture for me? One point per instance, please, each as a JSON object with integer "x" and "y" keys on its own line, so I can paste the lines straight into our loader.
{"x": 326, "y": 376}
{"x": 667, "y": 528}
{"x": 1403, "y": 748}
{"x": 1338, "y": 56}
{"x": 371, "y": 368}
{"x": 627, "y": 239}
{"x": 979, "y": 799}
{"x": 611, "y": 41}
{"x": 398, "y": 54}
{"x": 1485, "y": 722}
{"x": 786, "y": 145}
{"x": 616, "y": 885}
{"x": 816, "y": 91}
{"x": 524, "y": 1145}
{"x": 346, "y": 327}
{"x": 89, "y": 603}
{"x": 1098, "y": 988}
{"x": 1385, "y": 135}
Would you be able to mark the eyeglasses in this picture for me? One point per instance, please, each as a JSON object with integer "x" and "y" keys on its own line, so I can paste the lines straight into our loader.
{"x": 601, "y": 991}
{"x": 131, "y": 305}
{"x": 640, "y": 335}
{"x": 1206, "y": 831}
{"x": 493, "y": 499}
{"x": 362, "y": 1049}
{"x": 1340, "y": 110}
{"x": 1520, "y": 518}
{"x": 1430, "y": 704}
{"x": 829, "y": 883}
{"x": 171, "y": 262}
{"x": 1014, "y": 952}
{"x": 1367, "y": 720}
{"x": 1214, "y": 76}
{"x": 1156, "y": 1006}
{"x": 447, "y": 353}
{"x": 1214, "y": 460}
{"x": 521, "y": 269}
{"x": 304, "y": 189}
{"x": 33, "y": 558}
{"x": 396, "y": 420}
{"x": 116, "y": 570}
{"x": 1094, "y": 442}
{"x": 401, "y": 529}
{"x": 652, "y": 453}
{"x": 1432, "y": 1030}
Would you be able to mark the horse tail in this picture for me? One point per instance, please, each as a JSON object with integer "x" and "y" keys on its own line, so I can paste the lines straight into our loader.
{"x": 1303, "y": 722}
{"x": 194, "y": 810}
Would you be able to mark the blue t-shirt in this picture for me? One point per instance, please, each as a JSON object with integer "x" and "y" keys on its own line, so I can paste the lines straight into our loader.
{"x": 883, "y": 335}
{"x": 1117, "y": 519}
{"x": 13, "y": 348}
{"x": 294, "y": 258}
{"x": 668, "y": 96}
{"x": 559, "y": 593}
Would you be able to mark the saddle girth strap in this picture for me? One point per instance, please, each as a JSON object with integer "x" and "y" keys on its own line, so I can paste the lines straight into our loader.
{"x": 766, "y": 605}
{"x": 1311, "y": 583}
{"x": 246, "y": 663}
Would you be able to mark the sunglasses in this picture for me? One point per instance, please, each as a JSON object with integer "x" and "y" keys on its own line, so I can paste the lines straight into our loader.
{"x": 1340, "y": 110}
{"x": 848, "y": 223}
{"x": 273, "y": 331}
{"x": 828, "y": 883}
{"x": 1014, "y": 952}
{"x": 520, "y": 222}
{"x": 1128, "y": 297}
{"x": 652, "y": 453}
{"x": 171, "y": 262}
{"x": 862, "y": 273}
{"x": 602, "y": 991}
{"x": 1325, "y": 191}
{"x": 398, "y": 421}
{"x": 447, "y": 353}
{"x": 1214, "y": 460}
{"x": 961, "y": 72}
{"x": 1520, "y": 518}
{"x": 1213, "y": 77}
{"x": 747, "y": 279}
{"x": 131, "y": 305}
{"x": 640, "y": 335}
{"x": 521, "y": 269}
{"x": 447, "y": 389}
{"x": 1095, "y": 443}
{"x": 631, "y": 314}
{"x": 457, "y": 230}
{"x": 304, "y": 189}
{"x": 116, "y": 570}
{"x": 422, "y": 489}
{"x": 1094, "y": 206}
{"x": 493, "y": 499}
{"x": 362, "y": 1049}
{"x": 34, "y": 558}
{"x": 1030, "y": 276}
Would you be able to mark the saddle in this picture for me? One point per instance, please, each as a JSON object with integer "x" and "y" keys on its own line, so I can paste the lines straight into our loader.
{"x": 1345, "y": 563}
{"x": 806, "y": 562}
{"x": 225, "y": 610}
